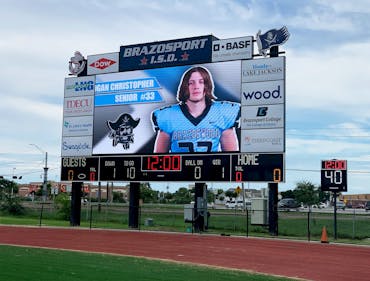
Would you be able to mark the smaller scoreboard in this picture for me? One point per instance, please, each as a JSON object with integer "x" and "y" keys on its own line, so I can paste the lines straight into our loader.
{"x": 334, "y": 175}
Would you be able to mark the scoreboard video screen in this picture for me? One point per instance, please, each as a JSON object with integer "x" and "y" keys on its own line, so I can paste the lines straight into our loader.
{"x": 132, "y": 107}
{"x": 177, "y": 110}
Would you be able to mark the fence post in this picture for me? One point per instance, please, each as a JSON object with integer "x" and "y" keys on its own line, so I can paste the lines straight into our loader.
{"x": 42, "y": 210}
{"x": 308, "y": 224}
{"x": 246, "y": 210}
{"x": 91, "y": 207}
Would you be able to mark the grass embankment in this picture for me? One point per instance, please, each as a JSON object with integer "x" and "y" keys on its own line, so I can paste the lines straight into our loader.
{"x": 33, "y": 264}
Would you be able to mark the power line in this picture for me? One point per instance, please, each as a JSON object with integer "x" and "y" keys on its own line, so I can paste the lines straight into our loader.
{"x": 309, "y": 170}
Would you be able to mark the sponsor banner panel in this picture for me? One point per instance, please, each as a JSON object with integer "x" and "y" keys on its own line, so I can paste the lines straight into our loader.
{"x": 262, "y": 116}
{"x": 166, "y": 53}
{"x": 103, "y": 63}
{"x": 269, "y": 92}
{"x": 262, "y": 140}
{"x": 79, "y": 106}
{"x": 263, "y": 69}
{"x": 78, "y": 126}
{"x": 79, "y": 86}
{"x": 76, "y": 146}
{"x": 240, "y": 48}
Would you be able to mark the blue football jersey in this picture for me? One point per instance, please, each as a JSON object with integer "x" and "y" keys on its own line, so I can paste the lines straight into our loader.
{"x": 201, "y": 134}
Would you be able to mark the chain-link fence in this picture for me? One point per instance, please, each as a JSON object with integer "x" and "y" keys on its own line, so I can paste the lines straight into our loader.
{"x": 351, "y": 224}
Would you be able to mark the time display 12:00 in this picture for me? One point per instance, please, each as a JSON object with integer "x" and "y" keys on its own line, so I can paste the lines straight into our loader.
{"x": 161, "y": 163}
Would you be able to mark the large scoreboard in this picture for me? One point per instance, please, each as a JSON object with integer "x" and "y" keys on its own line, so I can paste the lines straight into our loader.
{"x": 239, "y": 167}
{"x": 126, "y": 118}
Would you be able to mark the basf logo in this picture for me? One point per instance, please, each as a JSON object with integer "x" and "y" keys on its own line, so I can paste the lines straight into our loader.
{"x": 79, "y": 86}
{"x": 103, "y": 63}
{"x": 232, "y": 49}
{"x": 263, "y": 69}
{"x": 270, "y": 92}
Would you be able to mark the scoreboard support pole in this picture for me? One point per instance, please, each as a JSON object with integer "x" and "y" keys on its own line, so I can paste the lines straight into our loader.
{"x": 335, "y": 215}
{"x": 273, "y": 210}
{"x": 133, "y": 217}
{"x": 75, "y": 219}
{"x": 200, "y": 207}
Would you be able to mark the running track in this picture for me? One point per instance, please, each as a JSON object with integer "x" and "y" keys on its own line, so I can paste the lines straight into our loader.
{"x": 306, "y": 260}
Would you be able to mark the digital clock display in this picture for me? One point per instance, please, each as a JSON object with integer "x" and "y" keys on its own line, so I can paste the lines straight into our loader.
{"x": 161, "y": 163}
{"x": 334, "y": 164}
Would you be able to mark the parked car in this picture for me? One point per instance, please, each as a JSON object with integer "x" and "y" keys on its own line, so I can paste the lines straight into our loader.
{"x": 367, "y": 206}
{"x": 341, "y": 205}
{"x": 230, "y": 204}
{"x": 288, "y": 203}
{"x": 320, "y": 205}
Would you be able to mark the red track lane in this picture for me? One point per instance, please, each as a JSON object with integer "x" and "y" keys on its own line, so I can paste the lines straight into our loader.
{"x": 306, "y": 260}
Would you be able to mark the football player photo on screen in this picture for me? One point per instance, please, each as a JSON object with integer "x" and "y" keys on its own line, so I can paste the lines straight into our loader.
{"x": 197, "y": 123}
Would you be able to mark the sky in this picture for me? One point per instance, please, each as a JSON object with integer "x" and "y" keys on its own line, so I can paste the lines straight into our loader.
{"x": 327, "y": 73}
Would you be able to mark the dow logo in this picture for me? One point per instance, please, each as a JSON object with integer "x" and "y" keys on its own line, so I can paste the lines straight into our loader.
{"x": 102, "y": 63}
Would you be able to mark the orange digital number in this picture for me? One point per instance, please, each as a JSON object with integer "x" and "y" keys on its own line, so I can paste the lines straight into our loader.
{"x": 277, "y": 175}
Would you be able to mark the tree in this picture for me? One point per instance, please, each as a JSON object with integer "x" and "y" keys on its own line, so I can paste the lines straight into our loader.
{"x": 63, "y": 204}
{"x": 182, "y": 196}
{"x": 7, "y": 187}
{"x": 12, "y": 205}
{"x": 288, "y": 194}
{"x": 307, "y": 193}
{"x": 231, "y": 194}
{"x": 148, "y": 194}
{"x": 210, "y": 196}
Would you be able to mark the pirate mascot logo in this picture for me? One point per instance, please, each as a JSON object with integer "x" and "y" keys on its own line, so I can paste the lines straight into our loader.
{"x": 121, "y": 130}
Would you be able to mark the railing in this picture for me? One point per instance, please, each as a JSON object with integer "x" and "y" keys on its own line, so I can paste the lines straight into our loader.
{"x": 352, "y": 224}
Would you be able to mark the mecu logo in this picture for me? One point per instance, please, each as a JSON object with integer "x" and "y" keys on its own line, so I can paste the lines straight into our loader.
{"x": 102, "y": 63}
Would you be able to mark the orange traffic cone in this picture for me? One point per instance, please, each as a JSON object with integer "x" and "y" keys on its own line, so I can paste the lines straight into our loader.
{"x": 324, "y": 236}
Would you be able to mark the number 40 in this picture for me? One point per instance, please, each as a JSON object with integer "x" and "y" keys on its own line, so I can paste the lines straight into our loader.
{"x": 335, "y": 176}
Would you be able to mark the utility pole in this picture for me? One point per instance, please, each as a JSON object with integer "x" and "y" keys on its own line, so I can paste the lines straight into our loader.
{"x": 45, "y": 183}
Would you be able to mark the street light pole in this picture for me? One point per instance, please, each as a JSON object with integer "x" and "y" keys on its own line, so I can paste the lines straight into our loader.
{"x": 45, "y": 187}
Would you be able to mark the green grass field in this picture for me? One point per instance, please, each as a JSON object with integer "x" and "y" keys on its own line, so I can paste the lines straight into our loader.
{"x": 34, "y": 264}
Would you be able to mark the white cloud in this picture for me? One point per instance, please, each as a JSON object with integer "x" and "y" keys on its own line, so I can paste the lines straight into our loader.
{"x": 334, "y": 80}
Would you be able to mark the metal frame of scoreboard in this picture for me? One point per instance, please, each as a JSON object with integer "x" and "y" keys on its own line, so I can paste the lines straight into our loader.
{"x": 262, "y": 98}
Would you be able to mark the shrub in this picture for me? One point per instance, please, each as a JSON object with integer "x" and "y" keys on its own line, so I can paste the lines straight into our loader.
{"x": 12, "y": 206}
{"x": 63, "y": 204}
